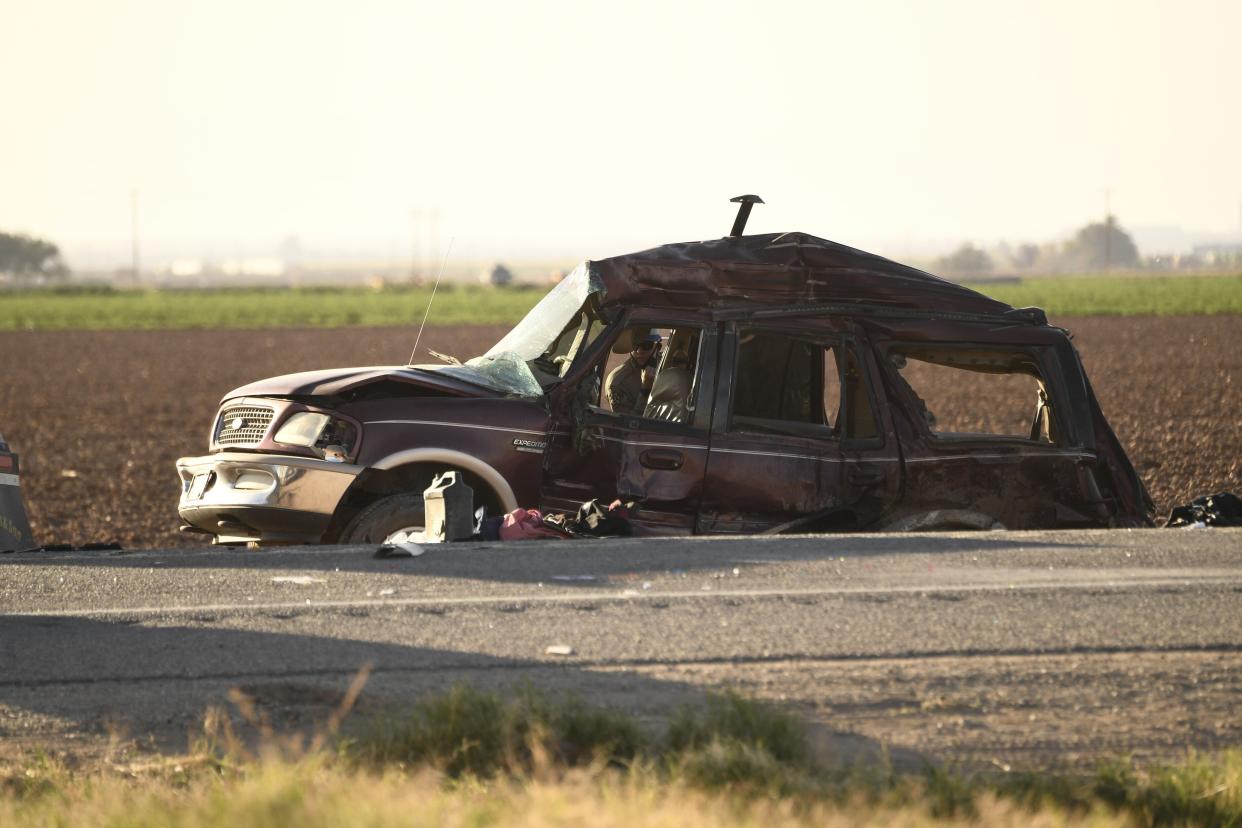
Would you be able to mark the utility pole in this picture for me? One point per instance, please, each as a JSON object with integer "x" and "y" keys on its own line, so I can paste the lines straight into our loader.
{"x": 415, "y": 231}
{"x": 1108, "y": 228}
{"x": 133, "y": 236}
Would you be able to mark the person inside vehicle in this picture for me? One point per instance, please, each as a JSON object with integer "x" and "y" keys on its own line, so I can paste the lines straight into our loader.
{"x": 629, "y": 384}
{"x": 670, "y": 395}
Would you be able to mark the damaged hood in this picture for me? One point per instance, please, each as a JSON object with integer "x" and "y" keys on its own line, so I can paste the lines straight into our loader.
{"x": 448, "y": 379}
{"x": 502, "y": 371}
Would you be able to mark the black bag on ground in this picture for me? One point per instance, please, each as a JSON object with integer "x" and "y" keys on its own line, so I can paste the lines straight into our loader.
{"x": 1220, "y": 509}
{"x": 596, "y": 521}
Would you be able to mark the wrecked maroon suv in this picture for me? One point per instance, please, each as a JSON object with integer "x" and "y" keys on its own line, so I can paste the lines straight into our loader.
{"x": 802, "y": 386}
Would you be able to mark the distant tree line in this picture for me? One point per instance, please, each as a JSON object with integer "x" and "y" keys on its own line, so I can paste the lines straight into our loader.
{"x": 1096, "y": 246}
{"x": 28, "y": 259}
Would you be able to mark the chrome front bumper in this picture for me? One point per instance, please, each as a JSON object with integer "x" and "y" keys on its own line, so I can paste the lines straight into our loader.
{"x": 239, "y": 496}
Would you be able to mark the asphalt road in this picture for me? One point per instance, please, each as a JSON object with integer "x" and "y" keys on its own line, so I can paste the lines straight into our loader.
{"x": 1011, "y": 649}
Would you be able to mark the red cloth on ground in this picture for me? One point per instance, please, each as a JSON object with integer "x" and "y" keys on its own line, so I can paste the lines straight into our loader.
{"x": 525, "y": 524}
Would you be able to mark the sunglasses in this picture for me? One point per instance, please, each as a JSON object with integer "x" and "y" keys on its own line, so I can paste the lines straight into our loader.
{"x": 645, "y": 346}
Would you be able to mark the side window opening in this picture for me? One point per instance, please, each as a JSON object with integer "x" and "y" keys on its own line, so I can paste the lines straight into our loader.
{"x": 791, "y": 385}
{"x": 970, "y": 393}
{"x": 652, "y": 373}
{"x": 580, "y": 332}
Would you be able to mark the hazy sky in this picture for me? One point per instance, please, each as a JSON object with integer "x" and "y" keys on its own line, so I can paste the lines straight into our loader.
{"x": 583, "y": 129}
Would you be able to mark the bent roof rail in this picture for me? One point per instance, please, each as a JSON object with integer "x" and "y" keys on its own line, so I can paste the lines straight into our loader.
{"x": 1020, "y": 316}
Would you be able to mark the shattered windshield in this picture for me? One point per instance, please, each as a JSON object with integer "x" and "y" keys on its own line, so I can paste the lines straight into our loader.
{"x": 523, "y": 362}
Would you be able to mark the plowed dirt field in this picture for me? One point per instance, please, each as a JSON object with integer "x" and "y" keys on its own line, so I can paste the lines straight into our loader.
{"x": 99, "y": 418}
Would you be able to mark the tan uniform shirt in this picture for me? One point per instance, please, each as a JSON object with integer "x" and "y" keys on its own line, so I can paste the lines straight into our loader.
{"x": 625, "y": 388}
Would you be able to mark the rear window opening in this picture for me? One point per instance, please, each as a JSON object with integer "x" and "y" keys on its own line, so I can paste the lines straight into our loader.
{"x": 961, "y": 393}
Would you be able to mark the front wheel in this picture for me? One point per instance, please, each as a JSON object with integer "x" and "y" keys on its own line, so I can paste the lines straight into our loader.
{"x": 385, "y": 519}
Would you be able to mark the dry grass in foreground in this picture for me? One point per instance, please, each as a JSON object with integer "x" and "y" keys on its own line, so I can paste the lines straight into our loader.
{"x": 470, "y": 758}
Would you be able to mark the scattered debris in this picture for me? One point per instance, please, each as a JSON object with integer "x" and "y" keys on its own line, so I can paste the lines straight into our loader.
{"x": 69, "y": 474}
{"x": 403, "y": 549}
{"x": 386, "y": 592}
{"x": 594, "y": 520}
{"x": 300, "y": 580}
{"x": 559, "y": 650}
{"x": 1220, "y": 509}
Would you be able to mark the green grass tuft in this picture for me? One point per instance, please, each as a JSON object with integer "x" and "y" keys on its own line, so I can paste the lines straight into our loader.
{"x": 728, "y": 718}
{"x": 1200, "y": 791}
{"x": 469, "y": 733}
{"x": 586, "y": 734}
{"x": 38, "y": 779}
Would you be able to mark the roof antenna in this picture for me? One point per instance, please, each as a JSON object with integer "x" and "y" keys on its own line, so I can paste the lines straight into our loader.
{"x": 745, "y": 202}
{"x": 434, "y": 288}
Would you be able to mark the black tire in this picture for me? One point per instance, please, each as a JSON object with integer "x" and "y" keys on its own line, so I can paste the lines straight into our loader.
{"x": 384, "y": 517}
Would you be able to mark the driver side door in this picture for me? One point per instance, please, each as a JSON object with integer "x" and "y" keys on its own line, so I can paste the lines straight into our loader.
{"x": 657, "y": 457}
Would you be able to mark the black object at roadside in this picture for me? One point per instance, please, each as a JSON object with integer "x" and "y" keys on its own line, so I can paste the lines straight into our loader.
{"x": 596, "y": 521}
{"x": 15, "y": 534}
{"x": 1220, "y": 509}
{"x": 489, "y": 528}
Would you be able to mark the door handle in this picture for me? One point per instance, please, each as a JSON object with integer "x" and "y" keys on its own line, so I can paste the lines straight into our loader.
{"x": 866, "y": 477}
{"x": 662, "y": 459}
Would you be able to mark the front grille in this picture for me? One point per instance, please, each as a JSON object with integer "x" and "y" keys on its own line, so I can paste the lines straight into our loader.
{"x": 254, "y": 422}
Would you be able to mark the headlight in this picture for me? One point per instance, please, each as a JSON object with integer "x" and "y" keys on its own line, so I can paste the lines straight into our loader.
{"x": 333, "y": 437}
{"x": 302, "y": 429}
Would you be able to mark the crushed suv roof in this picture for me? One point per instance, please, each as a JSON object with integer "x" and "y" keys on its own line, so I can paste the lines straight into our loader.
{"x": 779, "y": 269}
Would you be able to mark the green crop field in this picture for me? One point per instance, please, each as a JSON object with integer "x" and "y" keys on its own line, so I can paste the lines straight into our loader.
{"x": 1123, "y": 295}
{"x": 105, "y": 309}
{"x": 260, "y": 308}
